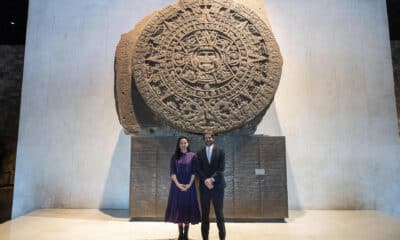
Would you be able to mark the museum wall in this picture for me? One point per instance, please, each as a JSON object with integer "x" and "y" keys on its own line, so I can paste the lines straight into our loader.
{"x": 335, "y": 105}
{"x": 395, "y": 44}
{"x": 11, "y": 67}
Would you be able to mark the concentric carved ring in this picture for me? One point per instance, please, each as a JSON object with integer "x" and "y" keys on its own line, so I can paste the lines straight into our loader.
{"x": 206, "y": 65}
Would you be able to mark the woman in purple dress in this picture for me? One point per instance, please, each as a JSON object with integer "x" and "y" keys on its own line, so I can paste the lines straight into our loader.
{"x": 183, "y": 207}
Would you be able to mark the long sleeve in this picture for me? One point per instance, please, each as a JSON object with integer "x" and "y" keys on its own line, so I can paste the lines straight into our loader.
{"x": 218, "y": 175}
{"x": 199, "y": 167}
{"x": 194, "y": 166}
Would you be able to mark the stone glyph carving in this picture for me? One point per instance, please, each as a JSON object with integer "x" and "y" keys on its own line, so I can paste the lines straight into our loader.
{"x": 200, "y": 65}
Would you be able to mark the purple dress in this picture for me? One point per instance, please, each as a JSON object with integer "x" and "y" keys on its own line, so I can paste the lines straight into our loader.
{"x": 182, "y": 205}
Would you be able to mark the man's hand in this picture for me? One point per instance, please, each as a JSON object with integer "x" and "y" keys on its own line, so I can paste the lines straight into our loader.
{"x": 209, "y": 183}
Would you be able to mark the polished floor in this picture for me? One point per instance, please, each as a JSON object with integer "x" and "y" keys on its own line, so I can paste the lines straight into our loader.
{"x": 88, "y": 224}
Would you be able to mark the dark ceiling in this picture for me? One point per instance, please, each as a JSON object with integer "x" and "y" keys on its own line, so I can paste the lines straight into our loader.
{"x": 14, "y": 15}
{"x": 393, "y": 7}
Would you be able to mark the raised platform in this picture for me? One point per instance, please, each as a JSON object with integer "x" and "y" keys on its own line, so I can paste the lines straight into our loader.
{"x": 88, "y": 224}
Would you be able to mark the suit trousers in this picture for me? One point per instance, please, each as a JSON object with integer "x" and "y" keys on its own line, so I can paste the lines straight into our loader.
{"x": 216, "y": 196}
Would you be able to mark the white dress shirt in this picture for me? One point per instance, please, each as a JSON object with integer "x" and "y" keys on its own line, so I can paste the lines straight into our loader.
{"x": 209, "y": 152}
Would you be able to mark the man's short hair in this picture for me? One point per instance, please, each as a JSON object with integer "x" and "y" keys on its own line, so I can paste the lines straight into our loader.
{"x": 210, "y": 133}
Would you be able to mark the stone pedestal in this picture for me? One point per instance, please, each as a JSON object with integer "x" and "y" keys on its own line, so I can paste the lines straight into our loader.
{"x": 255, "y": 173}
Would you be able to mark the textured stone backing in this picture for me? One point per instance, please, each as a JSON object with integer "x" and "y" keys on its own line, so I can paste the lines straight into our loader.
{"x": 123, "y": 79}
{"x": 199, "y": 65}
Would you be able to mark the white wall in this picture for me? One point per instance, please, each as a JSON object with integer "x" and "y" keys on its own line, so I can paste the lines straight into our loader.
{"x": 335, "y": 105}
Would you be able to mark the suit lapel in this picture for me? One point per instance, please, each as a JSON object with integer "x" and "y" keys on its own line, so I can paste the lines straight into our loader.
{"x": 212, "y": 156}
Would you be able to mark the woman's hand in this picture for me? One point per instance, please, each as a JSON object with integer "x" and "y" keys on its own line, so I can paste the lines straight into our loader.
{"x": 182, "y": 187}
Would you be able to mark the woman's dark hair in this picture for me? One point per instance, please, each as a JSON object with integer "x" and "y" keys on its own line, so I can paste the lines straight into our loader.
{"x": 178, "y": 152}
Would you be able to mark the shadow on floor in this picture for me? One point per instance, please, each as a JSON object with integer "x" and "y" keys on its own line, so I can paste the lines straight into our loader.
{"x": 116, "y": 213}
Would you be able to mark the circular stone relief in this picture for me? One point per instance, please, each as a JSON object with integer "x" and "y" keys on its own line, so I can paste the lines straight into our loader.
{"x": 206, "y": 65}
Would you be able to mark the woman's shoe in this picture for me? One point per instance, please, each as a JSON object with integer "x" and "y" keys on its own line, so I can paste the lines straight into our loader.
{"x": 181, "y": 237}
{"x": 186, "y": 233}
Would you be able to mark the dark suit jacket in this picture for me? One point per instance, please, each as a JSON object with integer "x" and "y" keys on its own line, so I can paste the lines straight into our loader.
{"x": 215, "y": 169}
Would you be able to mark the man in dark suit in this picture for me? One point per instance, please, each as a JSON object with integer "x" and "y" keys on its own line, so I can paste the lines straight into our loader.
{"x": 211, "y": 166}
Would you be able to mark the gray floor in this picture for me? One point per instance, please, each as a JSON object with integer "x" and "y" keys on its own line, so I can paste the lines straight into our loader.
{"x": 93, "y": 224}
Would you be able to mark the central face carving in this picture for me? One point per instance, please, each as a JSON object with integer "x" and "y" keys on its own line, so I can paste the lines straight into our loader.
{"x": 206, "y": 58}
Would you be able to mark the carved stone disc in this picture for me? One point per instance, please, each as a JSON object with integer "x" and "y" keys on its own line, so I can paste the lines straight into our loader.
{"x": 206, "y": 65}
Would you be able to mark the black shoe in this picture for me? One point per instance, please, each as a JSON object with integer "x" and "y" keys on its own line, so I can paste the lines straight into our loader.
{"x": 186, "y": 233}
{"x": 181, "y": 233}
{"x": 204, "y": 230}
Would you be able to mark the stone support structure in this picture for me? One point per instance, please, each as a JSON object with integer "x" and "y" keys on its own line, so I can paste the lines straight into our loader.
{"x": 255, "y": 172}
